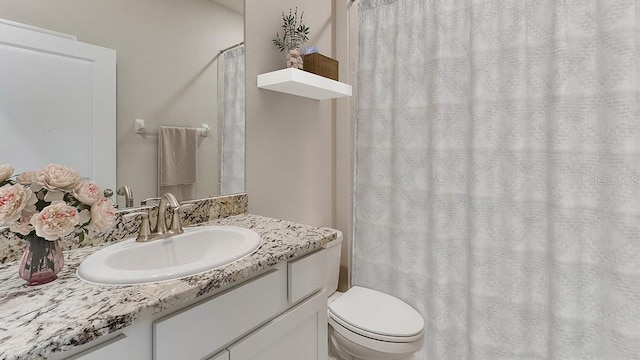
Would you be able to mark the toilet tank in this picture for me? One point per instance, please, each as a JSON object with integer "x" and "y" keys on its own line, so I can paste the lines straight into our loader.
{"x": 334, "y": 249}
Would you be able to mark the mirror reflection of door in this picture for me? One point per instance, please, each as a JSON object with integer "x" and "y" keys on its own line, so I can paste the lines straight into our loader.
{"x": 57, "y": 103}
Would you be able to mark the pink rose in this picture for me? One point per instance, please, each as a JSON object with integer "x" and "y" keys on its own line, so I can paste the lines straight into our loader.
{"x": 55, "y": 221}
{"x": 6, "y": 171}
{"x": 13, "y": 199}
{"x": 87, "y": 192}
{"x": 103, "y": 214}
{"x": 55, "y": 176}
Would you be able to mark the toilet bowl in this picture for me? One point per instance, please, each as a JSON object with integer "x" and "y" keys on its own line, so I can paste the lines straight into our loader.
{"x": 368, "y": 324}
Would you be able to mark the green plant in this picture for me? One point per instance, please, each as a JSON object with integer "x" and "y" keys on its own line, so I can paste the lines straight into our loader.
{"x": 294, "y": 34}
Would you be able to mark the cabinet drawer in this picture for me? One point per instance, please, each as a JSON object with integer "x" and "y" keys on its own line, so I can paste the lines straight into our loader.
{"x": 306, "y": 275}
{"x": 205, "y": 328}
{"x": 115, "y": 348}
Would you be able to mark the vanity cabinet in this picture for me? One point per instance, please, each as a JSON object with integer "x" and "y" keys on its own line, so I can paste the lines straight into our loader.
{"x": 291, "y": 327}
{"x": 281, "y": 314}
{"x": 205, "y": 328}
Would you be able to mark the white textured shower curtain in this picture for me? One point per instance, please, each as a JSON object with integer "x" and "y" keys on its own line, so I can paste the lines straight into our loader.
{"x": 498, "y": 173}
{"x": 233, "y": 140}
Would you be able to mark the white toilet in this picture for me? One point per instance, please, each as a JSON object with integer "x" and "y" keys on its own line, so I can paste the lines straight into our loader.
{"x": 366, "y": 324}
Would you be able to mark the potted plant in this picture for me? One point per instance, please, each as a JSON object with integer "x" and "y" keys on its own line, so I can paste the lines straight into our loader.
{"x": 294, "y": 34}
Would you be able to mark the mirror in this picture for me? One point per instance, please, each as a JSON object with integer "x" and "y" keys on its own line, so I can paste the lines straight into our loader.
{"x": 170, "y": 72}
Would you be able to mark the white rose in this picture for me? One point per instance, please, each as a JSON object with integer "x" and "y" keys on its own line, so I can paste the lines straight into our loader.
{"x": 13, "y": 199}
{"x": 87, "y": 192}
{"x": 6, "y": 171}
{"x": 103, "y": 214}
{"x": 23, "y": 225}
{"x": 26, "y": 177}
{"x": 55, "y": 221}
{"x": 85, "y": 217}
{"x": 53, "y": 195}
{"x": 55, "y": 176}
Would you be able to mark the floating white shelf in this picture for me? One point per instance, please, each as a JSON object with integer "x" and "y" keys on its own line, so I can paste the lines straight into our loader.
{"x": 303, "y": 83}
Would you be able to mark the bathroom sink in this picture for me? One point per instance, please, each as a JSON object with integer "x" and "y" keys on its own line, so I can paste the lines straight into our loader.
{"x": 196, "y": 250}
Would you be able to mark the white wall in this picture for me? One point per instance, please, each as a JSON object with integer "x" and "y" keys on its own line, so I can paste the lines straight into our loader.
{"x": 165, "y": 74}
{"x": 300, "y": 151}
{"x": 289, "y": 157}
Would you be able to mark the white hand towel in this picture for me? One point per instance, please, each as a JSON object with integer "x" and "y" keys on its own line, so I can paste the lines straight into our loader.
{"x": 177, "y": 156}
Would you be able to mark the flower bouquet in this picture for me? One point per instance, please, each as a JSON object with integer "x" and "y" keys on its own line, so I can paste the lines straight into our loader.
{"x": 45, "y": 206}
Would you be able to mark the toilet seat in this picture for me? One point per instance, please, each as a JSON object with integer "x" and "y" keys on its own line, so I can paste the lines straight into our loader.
{"x": 367, "y": 348}
{"x": 376, "y": 315}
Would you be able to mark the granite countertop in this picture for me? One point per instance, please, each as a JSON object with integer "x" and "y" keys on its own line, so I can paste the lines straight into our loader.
{"x": 37, "y": 321}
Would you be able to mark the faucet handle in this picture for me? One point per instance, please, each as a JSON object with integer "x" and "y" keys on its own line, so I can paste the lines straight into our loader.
{"x": 145, "y": 229}
{"x": 176, "y": 225}
{"x": 145, "y": 201}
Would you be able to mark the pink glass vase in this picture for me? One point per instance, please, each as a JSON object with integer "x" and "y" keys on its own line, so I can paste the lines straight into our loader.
{"x": 41, "y": 261}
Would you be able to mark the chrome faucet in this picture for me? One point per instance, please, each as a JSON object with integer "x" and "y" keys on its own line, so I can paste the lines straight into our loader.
{"x": 125, "y": 191}
{"x": 167, "y": 202}
{"x": 161, "y": 224}
{"x": 146, "y": 201}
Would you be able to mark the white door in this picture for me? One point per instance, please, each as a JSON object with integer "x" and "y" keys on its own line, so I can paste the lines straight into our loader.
{"x": 57, "y": 103}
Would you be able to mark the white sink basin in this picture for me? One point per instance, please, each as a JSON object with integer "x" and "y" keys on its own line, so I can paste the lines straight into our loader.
{"x": 196, "y": 250}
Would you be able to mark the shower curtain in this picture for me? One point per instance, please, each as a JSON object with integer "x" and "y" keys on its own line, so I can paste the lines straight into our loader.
{"x": 498, "y": 173}
{"x": 232, "y": 162}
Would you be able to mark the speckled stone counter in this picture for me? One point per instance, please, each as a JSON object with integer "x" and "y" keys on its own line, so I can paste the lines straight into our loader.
{"x": 36, "y": 322}
{"x": 201, "y": 210}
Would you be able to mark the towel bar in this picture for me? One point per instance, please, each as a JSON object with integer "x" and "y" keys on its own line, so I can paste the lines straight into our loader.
{"x": 141, "y": 129}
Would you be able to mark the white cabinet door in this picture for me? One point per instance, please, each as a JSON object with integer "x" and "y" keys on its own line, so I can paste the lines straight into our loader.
{"x": 207, "y": 327}
{"x": 57, "y": 103}
{"x": 305, "y": 276}
{"x": 115, "y": 348}
{"x": 298, "y": 334}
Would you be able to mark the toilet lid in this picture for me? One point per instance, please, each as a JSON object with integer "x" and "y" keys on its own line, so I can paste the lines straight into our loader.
{"x": 376, "y": 313}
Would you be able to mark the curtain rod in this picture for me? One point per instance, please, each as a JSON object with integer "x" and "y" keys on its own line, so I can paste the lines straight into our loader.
{"x": 226, "y": 49}
{"x": 231, "y": 47}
